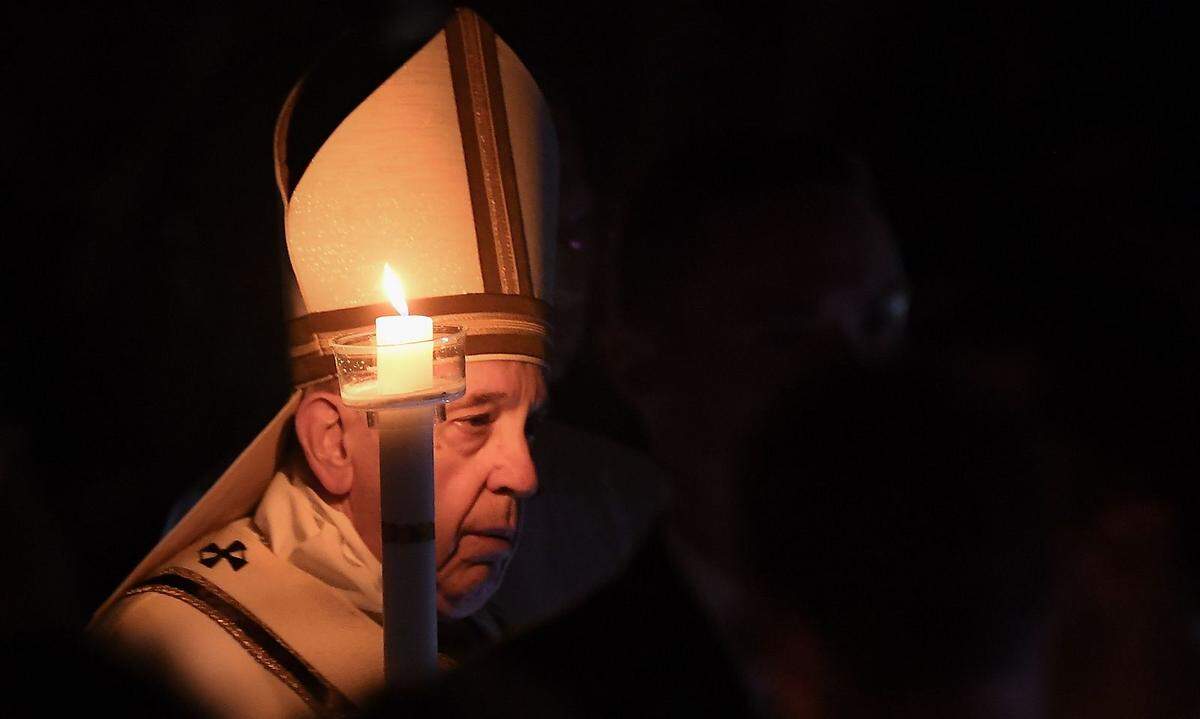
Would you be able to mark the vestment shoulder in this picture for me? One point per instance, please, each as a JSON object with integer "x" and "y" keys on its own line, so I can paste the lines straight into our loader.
{"x": 204, "y": 662}
{"x": 227, "y": 605}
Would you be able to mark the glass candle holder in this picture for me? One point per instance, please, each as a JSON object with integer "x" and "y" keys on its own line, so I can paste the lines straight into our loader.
{"x": 374, "y": 377}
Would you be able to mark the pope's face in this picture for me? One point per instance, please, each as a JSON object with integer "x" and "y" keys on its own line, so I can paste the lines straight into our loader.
{"x": 482, "y": 470}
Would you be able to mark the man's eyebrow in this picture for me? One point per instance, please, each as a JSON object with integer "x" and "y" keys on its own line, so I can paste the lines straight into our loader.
{"x": 474, "y": 399}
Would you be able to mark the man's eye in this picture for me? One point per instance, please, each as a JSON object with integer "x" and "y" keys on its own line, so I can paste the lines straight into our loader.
{"x": 475, "y": 421}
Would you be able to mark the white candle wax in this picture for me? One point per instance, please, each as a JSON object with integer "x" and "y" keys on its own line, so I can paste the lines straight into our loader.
{"x": 404, "y": 364}
{"x": 404, "y": 359}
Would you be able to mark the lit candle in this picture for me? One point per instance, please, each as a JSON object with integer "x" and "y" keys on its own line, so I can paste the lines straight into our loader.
{"x": 404, "y": 363}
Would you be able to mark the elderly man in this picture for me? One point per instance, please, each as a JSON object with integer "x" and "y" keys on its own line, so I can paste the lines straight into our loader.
{"x": 266, "y": 599}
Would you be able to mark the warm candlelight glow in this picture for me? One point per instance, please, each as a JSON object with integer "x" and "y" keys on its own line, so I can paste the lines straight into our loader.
{"x": 404, "y": 362}
{"x": 394, "y": 290}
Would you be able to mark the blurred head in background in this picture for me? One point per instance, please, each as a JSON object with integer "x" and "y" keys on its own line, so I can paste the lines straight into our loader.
{"x": 744, "y": 263}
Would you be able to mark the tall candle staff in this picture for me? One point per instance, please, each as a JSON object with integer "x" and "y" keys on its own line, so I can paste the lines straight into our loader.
{"x": 399, "y": 374}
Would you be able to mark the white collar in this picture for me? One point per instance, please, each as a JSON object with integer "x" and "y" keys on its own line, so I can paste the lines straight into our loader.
{"x": 306, "y": 532}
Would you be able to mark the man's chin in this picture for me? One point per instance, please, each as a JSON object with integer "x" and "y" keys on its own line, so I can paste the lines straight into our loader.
{"x": 467, "y": 591}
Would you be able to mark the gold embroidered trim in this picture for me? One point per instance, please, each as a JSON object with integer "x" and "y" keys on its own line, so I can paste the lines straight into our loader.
{"x": 249, "y": 645}
{"x": 489, "y": 154}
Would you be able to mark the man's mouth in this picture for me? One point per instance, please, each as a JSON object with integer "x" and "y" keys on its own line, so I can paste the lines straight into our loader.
{"x": 487, "y": 545}
{"x": 505, "y": 533}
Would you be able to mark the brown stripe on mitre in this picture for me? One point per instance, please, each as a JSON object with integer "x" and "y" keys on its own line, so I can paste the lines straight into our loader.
{"x": 312, "y": 367}
{"x": 300, "y": 332}
{"x": 534, "y": 347}
{"x": 496, "y": 324}
{"x": 487, "y": 150}
{"x": 507, "y": 165}
{"x": 315, "y": 366}
{"x": 351, "y": 318}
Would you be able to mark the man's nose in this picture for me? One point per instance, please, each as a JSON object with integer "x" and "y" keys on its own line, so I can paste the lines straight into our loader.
{"x": 513, "y": 472}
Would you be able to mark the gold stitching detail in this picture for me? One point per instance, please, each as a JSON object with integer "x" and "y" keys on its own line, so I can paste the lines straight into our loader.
{"x": 251, "y": 647}
{"x": 489, "y": 154}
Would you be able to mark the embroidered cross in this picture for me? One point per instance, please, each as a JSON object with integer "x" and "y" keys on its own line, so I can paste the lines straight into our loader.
{"x": 235, "y": 554}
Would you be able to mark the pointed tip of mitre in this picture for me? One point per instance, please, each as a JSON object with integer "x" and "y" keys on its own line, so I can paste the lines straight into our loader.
{"x": 448, "y": 171}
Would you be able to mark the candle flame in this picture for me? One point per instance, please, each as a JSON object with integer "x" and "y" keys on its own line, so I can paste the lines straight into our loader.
{"x": 394, "y": 290}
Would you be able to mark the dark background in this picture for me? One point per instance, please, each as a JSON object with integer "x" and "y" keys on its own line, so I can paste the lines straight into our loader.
{"x": 1041, "y": 169}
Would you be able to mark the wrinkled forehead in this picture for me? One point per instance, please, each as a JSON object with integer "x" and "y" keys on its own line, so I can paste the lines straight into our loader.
{"x": 506, "y": 382}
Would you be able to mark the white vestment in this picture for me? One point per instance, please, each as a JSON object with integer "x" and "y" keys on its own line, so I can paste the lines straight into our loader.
{"x": 275, "y": 615}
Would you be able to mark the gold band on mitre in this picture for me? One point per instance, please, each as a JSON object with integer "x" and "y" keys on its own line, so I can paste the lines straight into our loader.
{"x": 498, "y": 327}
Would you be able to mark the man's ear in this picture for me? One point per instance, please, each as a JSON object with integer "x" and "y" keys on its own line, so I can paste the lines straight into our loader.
{"x": 321, "y": 429}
